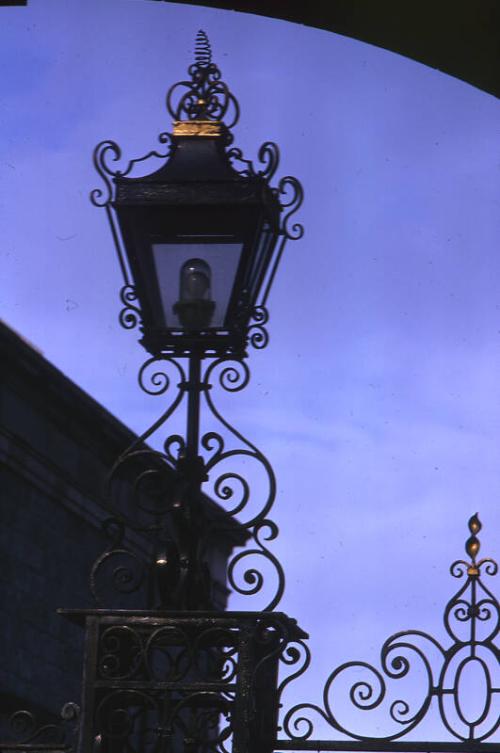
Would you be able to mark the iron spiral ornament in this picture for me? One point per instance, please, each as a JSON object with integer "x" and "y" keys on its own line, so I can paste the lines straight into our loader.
{"x": 202, "y": 49}
{"x": 27, "y": 732}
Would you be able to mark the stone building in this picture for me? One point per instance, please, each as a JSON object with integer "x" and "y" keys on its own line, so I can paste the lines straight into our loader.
{"x": 57, "y": 445}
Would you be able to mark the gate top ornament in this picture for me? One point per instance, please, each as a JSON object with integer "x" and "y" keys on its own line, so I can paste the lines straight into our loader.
{"x": 459, "y": 685}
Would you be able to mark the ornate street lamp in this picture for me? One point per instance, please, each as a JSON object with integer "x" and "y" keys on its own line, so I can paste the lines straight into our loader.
{"x": 199, "y": 241}
{"x": 202, "y": 240}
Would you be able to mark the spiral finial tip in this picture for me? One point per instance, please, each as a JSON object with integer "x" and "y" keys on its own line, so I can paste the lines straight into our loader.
{"x": 202, "y": 49}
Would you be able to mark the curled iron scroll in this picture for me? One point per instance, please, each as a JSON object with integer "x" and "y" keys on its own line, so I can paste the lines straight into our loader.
{"x": 130, "y": 315}
{"x": 291, "y": 196}
{"x": 258, "y": 335}
{"x": 25, "y": 729}
{"x": 120, "y": 569}
{"x": 249, "y": 560}
{"x": 234, "y": 376}
{"x": 104, "y": 150}
{"x": 268, "y": 155}
{"x": 251, "y": 569}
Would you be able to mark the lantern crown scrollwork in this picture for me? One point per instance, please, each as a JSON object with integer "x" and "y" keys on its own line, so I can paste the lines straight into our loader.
{"x": 204, "y": 98}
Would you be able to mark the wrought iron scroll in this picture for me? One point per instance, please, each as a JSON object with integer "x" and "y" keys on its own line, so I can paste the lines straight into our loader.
{"x": 156, "y": 659}
{"x": 268, "y": 156}
{"x": 237, "y": 476}
{"x": 471, "y": 620}
{"x": 123, "y": 569}
{"x": 244, "y": 575}
{"x": 130, "y": 315}
{"x": 24, "y": 731}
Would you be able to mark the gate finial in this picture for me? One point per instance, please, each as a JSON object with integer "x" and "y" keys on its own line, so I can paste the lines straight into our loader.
{"x": 473, "y": 545}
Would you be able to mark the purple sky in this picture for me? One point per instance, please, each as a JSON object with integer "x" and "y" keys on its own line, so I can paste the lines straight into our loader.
{"x": 378, "y": 399}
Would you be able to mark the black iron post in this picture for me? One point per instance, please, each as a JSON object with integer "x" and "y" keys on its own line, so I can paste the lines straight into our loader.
{"x": 194, "y": 388}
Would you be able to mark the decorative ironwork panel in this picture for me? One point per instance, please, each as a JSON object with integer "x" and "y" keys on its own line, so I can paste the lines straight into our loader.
{"x": 460, "y": 683}
{"x": 201, "y": 682}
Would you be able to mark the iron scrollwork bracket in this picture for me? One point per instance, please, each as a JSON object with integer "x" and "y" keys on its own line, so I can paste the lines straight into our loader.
{"x": 163, "y": 485}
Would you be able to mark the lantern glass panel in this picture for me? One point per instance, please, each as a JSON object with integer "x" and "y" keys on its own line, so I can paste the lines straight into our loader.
{"x": 266, "y": 238}
{"x": 223, "y": 259}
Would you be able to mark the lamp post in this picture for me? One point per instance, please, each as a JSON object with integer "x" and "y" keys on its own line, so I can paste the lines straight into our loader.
{"x": 199, "y": 237}
{"x": 199, "y": 241}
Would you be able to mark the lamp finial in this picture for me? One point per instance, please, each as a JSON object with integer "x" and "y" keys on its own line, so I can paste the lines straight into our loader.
{"x": 203, "y": 105}
{"x": 202, "y": 49}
